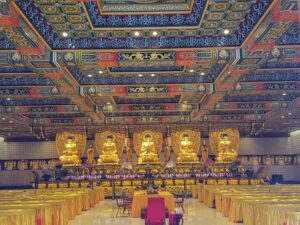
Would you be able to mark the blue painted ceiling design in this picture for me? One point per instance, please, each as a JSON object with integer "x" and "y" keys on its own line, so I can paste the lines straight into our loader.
{"x": 125, "y": 114}
{"x": 200, "y": 52}
{"x": 35, "y": 101}
{"x": 25, "y": 81}
{"x": 137, "y": 69}
{"x": 56, "y": 115}
{"x": 120, "y": 100}
{"x": 274, "y": 76}
{"x": 258, "y": 98}
{"x": 34, "y": 14}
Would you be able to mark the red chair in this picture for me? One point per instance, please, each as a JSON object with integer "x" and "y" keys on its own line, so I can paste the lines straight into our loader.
{"x": 156, "y": 214}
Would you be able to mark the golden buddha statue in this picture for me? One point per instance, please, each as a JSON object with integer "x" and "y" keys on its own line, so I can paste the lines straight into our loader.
{"x": 70, "y": 153}
{"x": 225, "y": 152}
{"x": 109, "y": 153}
{"x": 90, "y": 155}
{"x": 186, "y": 150}
{"x": 148, "y": 153}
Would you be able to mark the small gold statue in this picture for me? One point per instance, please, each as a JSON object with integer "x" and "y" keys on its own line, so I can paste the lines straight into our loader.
{"x": 148, "y": 153}
{"x": 90, "y": 155}
{"x": 225, "y": 152}
{"x": 186, "y": 151}
{"x": 109, "y": 153}
{"x": 70, "y": 153}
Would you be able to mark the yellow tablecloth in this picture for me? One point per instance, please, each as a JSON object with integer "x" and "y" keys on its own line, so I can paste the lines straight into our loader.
{"x": 253, "y": 205}
{"x": 17, "y": 217}
{"x": 51, "y": 206}
{"x": 140, "y": 199}
{"x": 293, "y": 218}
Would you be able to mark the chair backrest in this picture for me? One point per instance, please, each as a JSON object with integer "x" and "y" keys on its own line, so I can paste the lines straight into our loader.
{"x": 156, "y": 209}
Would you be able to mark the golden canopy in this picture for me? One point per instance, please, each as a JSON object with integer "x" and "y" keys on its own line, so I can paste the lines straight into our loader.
{"x": 79, "y": 139}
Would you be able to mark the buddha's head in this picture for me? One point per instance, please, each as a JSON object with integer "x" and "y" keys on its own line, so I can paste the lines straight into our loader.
{"x": 70, "y": 139}
{"x": 185, "y": 137}
{"x": 148, "y": 137}
{"x": 109, "y": 138}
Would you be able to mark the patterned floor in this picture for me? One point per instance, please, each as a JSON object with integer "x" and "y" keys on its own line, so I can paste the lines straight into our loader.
{"x": 104, "y": 213}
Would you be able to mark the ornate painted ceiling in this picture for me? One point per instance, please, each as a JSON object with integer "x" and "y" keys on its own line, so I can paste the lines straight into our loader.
{"x": 89, "y": 63}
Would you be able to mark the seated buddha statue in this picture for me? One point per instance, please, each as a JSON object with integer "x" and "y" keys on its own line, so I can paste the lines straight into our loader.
{"x": 109, "y": 153}
{"x": 225, "y": 152}
{"x": 70, "y": 153}
{"x": 186, "y": 151}
{"x": 148, "y": 153}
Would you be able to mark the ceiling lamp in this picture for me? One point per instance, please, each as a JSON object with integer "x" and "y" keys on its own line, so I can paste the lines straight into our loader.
{"x": 64, "y": 34}
{"x": 290, "y": 113}
{"x": 140, "y": 75}
{"x": 202, "y": 73}
{"x": 136, "y": 33}
{"x": 226, "y": 31}
{"x": 191, "y": 70}
{"x": 283, "y": 94}
{"x": 154, "y": 33}
{"x": 90, "y": 75}
{"x": 10, "y": 121}
{"x": 152, "y": 75}
{"x": 8, "y": 99}
{"x": 282, "y": 116}
{"x": 100, "y": 71}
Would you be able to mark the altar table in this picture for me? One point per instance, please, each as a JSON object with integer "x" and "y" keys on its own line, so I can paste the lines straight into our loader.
{"x": 140, "y": 199}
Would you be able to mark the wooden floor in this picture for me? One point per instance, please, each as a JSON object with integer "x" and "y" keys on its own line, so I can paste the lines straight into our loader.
{"x": 104, "y": 213}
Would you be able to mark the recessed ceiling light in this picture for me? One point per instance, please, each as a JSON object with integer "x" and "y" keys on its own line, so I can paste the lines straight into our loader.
{"x": 8, "y": 99}
{"x": 154, "y": 33}
{"x": 10, "y": 121}
{"x": 108, "y": 103}
{"x": 202, "y": 73}
{"x": 100, "y": 71}
{"x": 152, "y": 75}
{"x": 136, "y": 33}
{"x": 3, "y": 118}
{"x": 283, "y": 93}
{"x": 282, "y": 116}
{"x": 140, "y": 75}
{"x": 226, "y": 31}
{"x": 64, "y": 34}
{"x": 90, "y": 75}
{"x": 191, "y": 70}
{"x": 290, "y": 113}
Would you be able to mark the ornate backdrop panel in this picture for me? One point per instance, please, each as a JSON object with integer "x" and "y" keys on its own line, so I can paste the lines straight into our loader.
{"x": 194, "y": 136}
{"x": 216, "y": 136}
{"x": 118, "y": 139}
{"x": 138, "y": 139}
{"x": 61, "y": 140}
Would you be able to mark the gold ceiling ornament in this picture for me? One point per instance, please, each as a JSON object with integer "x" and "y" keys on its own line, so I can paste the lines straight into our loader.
{"x": 186, "y": 144}
{"x": 110, "y": 145}
{"x": 224, "y": 143}
{"x": 70, "y": 146}
{"x": 147, "y": 145}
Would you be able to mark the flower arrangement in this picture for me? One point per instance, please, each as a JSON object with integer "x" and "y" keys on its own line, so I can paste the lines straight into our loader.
{"x": 234, "y": 168}
{"x": 170, "y": 167}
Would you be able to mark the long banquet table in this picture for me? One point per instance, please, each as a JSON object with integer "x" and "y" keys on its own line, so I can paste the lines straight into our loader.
{"x": 140, "y": 199}
{"x": 47, "y": 207}
{"x": 253, "y": 205}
